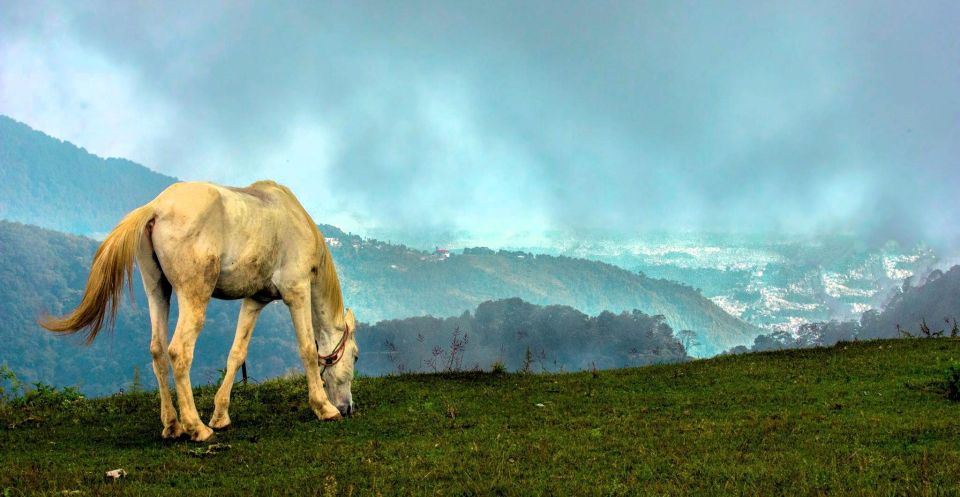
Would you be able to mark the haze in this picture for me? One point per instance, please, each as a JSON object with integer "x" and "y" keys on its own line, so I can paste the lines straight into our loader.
{"x": 504, "y": 117}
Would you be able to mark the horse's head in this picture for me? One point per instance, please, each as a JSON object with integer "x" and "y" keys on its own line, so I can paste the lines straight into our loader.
{"x": 338, "y": 378}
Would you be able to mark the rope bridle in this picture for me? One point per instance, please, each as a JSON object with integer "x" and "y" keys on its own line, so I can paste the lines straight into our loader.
{"x": 326, "y": 361}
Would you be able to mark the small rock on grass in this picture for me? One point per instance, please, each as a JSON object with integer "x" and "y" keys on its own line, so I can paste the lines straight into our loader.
{"x": 116, "y": 474}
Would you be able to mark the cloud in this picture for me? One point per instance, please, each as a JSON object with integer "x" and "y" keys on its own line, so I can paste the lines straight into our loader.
{"x": 72, "y": 93}
{"x": 517, "y": 117}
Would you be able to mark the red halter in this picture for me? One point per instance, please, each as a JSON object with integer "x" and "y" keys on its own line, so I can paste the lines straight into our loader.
{"x": 325, "y": 361}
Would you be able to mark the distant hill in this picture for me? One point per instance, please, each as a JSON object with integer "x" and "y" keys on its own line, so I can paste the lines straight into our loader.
{"x": 930, "y": 308}
{"x": 57, "y": 185}
{"x": 387, "y": 281}
{"x": 936, "y": 301}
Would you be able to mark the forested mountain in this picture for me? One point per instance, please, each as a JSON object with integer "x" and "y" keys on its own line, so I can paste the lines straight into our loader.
{"x": 930, "y": 308}
{"x": 57, "y": 185}
{"x": 42, "y": 270}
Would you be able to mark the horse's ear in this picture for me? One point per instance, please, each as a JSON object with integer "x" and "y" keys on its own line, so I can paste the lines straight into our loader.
{"x": 351, "y": 320}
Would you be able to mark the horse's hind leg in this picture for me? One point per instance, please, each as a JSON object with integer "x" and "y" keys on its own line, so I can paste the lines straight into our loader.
{"x": 157, "y": 289}
{"x": 193, "y": 310}
{"x": 249, "y": 311}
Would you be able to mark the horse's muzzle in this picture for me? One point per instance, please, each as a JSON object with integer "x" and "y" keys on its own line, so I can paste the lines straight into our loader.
{"x": 348, "y": 409}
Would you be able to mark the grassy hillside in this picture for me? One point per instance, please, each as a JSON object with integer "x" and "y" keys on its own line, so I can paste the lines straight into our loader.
{"x": 868, "y": 418}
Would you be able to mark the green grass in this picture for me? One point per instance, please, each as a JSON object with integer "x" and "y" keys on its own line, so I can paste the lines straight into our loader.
{"x": 867, "y": 418}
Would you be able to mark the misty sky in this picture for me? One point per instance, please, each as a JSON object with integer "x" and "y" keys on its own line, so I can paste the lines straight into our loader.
{"x": 509, "y": 117}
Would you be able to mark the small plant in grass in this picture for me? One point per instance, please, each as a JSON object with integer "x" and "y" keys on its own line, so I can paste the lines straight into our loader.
{"x": 43, "y": 395}
{"x": 527, "y": 362}
{"x": 393, "y": 353}
{"x": 458, "y": 344}
{"x": 17, "y": 395}
{"x": 498, "y": 367}
{"x": 903, "y": 332}
{"x": 436, "y": 354}
{"x": 221, "y": 374}
{"x": 927, "y": 332}
{"x": 9, "y": 385}
{"x": 450, "y": 359}
{"x": 136, "y": 386}
{"x": 953, "y": 382}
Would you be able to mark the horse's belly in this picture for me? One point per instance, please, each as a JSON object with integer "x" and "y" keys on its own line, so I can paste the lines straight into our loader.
{"x": 268, "y": 294}
{"x": 241, "y": 284}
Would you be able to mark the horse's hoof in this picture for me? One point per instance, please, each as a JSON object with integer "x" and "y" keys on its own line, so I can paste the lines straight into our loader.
{"x": 328, "y": 413}
{"x": 203, "y": 434}
{"x": 172, "y": 431}
{"x": 219, "y": 423}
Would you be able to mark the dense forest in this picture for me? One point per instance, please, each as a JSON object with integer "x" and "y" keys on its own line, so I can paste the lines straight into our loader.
{"x": 520, "y": 336}
{"x": 930, "y": 308}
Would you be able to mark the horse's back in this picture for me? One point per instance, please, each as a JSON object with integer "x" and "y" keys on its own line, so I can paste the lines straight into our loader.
{"x": 256, "y": 210}
{"x": 246, "y": 233}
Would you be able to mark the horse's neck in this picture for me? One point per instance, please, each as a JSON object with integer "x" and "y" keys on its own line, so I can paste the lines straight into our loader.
{"x": 328, "y": 318}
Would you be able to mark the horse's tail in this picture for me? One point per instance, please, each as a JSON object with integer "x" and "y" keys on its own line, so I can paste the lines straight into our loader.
{"x": 113, "y": 261}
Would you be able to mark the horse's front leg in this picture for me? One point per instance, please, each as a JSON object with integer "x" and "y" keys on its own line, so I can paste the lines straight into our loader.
{"x": 249, "y": 311}
{"x": 189, "y": 323}
{"x": 298, "y": 300}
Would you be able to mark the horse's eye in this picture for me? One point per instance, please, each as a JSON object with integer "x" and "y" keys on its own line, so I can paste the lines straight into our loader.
{"x": 356, "y": 359}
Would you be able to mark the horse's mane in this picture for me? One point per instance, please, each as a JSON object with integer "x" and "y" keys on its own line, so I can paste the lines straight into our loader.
{"x": 331, "y": 283}
{"x": 326, "y": 271}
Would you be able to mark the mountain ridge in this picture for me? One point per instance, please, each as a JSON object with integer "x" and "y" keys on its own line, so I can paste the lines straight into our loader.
{"x": 55, "y": 184}
{"x": 48, "y": 267}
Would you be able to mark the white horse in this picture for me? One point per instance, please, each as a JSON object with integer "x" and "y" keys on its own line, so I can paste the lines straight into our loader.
{"x": 202, "y": 240}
